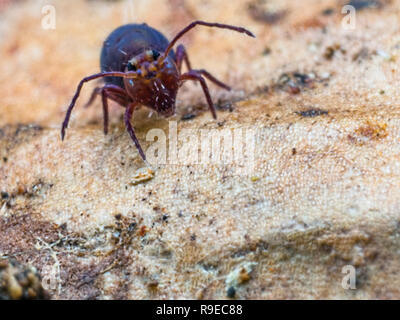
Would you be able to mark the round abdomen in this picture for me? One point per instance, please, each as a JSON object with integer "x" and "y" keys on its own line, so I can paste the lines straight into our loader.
{"x": 126, "y": 42}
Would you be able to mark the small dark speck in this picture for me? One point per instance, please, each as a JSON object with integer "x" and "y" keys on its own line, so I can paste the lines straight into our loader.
{"x": 132, "y": 226}
{"x": 312, "y": 112}
{"x": 165, "y": 218}
{"x": 221, "y": 123}
{"x": 153, "y": 285}
{"x": 180, "y": 214}
{"x": 225, "y": 106}
{"x": 303, "y": 78}
{"x": 5, "y": 159}
{"x": 4, "y": 195}
{"x": 188, "y": 116}
{"x": 258, "y": 14}
{"x": 231, "y": 292}
{"x": 328, "y": 12}
{"x": 24, "y": 128}
{"x": 294, "y": 151}
{"x": 267, "y": 51}
{"x": 193, "y": 237}
{"x": 118, "y": 216}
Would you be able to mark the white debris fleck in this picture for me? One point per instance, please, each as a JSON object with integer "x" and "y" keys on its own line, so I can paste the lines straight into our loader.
{"x": 142, "y": 175}
{"x": 240, "y": 275}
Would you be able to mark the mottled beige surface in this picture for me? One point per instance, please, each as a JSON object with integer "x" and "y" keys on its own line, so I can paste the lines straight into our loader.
{"x": 323, "y": 192}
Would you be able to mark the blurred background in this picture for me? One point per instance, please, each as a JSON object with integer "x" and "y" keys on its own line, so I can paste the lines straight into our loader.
{"x": 47, "y": 46}
{"x": 320, "y": 84}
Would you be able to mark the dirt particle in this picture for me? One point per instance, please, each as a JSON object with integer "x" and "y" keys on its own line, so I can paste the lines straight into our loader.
{"x": 328, "y": 12}
{"x": 239, "y": 275}
{"x": 360, "y": 55}
{"x": 132, "y": 226}
{"x": 225, "y": 106}
{"x": 331, "y": 51}
{"x": 267, "y": 51}
{"x": 295, "y": 82}
{"x": 24, "y": 128}
{"x": 143, "y": 231}
{"x": 142, "y": 175}
{"x": 243, "y": 276}
{"x": 188, "y": 116}
{"x": 260, "y": 12}
{"x": 231, "y": 292}
{"x": 19, "y": 282}
{"x": 312, "y": 112}
{"x": 152, "y": 286}
{"x": 371, "y": 130}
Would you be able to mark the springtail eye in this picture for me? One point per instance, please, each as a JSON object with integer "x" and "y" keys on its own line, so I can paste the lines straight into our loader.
{"x": 131, "y": 67}
{"x": 155, "y": 54}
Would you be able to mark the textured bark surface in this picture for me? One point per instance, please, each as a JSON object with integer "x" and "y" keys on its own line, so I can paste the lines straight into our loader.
{"x": 322, "y": 191}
